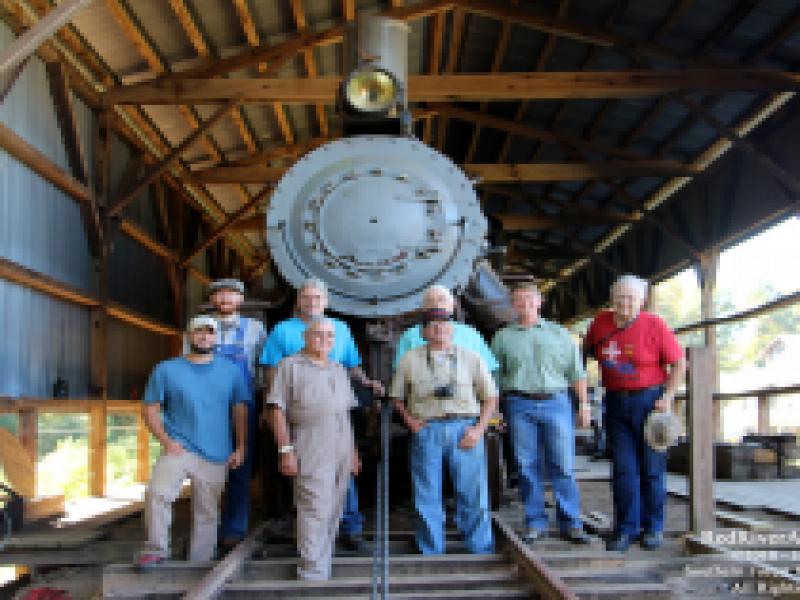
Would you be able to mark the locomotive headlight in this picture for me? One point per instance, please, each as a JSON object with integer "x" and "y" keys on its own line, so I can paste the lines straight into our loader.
{"x": 372, "y": 91}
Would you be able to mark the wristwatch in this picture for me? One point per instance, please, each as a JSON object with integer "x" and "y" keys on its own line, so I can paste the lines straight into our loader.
{"x": 286, "y": 449}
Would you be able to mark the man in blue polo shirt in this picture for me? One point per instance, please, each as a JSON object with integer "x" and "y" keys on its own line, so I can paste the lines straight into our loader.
{"x": 197, "y": 394}
{"x": 287, "y": 339}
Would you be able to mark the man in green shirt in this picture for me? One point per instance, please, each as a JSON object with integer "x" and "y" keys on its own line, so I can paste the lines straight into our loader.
{"x": 538, "y": 363}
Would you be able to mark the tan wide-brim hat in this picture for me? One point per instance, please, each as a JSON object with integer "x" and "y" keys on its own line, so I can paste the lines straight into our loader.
{"x": 661, "y": 430}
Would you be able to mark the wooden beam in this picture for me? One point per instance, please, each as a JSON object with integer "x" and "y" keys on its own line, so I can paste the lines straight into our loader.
{"x": 785, "y": 177}
{"x": 9, "y": 78}
{"x": 15, "y": 273}
{"x": 21, "y": 48}
{"x": 573, "y": 171}
{"x": 497, "y": 61}
{"x": 291, "y": 151}
{"x": 232, "y": 218}
{"x": 511, "y": 222}
{"x": 39, "y": 163}
{"x": 310, "y": 64}
{"x": 587, "y": 35}
{"x": 98, "y": 436}
{"x": 434, "y": 59}
{"x": 277, "y": 56}
{"x": 190, "y": 27}
{"x": 488, "y": 173}
{"x": 142, "y": 449}
{"x": 157, "y": 170}
{"x": 469, "y": 87}
{"x": 701, "y": 439}
{"x": 76, "y": 156}
{"x": 456, "y": 32}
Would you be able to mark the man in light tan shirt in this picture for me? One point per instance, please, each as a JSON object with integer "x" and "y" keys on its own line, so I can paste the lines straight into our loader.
{"x": 446, "y": 396}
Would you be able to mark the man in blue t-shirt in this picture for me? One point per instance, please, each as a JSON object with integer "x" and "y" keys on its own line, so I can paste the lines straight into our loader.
{"x": 197, "y": 394}
{"x": 287, "y": 339}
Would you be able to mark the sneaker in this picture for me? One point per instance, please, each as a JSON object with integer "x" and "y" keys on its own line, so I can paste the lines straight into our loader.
{"x": 619, "y": 543}
{"x": 651, "y": 541}
{"x": 532, "y": 535}
{"x": 576, "y": 535}
{"x": 352, "y": 541}
{"x": 148, "y": 562}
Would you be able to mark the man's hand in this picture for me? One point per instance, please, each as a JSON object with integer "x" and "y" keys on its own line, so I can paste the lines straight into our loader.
{"x": 287, "y": 464}
{"x": 472, "y": 435}
{"x": 584, "y": 416}
{"x": 664, "y": 403}
{"x": 414, "y": 425}
{"x": 236, "y": 458}
{"x": 356, "y": 468}
{"x": 173, "y": 447}
{"x": 377, "y": 387}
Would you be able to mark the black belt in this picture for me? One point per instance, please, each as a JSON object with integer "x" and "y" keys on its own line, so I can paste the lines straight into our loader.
{"x": 451, "y": 417}
{"x": 535, "y": 395}
{"x": 626, "y": 393}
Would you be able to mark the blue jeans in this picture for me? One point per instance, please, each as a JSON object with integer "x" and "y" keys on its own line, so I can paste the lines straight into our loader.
{"x": 429, "y": 448}
{"x": 352, "y": 521}
{"x": 638, "y": 470}
{"x": 236, "y": 511}
{"x": 544, "y": 427}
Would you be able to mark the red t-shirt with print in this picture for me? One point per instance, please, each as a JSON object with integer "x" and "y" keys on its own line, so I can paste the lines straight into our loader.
{"x": 634, "y": 357}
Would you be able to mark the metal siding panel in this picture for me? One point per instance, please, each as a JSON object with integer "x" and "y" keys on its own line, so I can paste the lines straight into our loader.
{"x": 132, "y": 354}
{"x": 42, "y": 338}
{"x": 41, "y": 227}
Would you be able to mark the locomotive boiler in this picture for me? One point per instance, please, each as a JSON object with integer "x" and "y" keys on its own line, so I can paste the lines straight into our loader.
{"x": 377, "y": 215}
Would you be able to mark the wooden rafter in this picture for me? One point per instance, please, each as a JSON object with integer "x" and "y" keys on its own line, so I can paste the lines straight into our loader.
{"x": 538, "y": 133}
{"x": 157, "y": 170}
{"x": 588, "y": 35}
{"x": 497, "y": 62}
{"x": 299, "y": 14}
{"x": 487, "y": 173}
{"x": 435, "y": 37}
{"x": 229, "y": 222}
{"x": 277, "y": 55}
{"x": 456, "y": 33}
{"x": 468, "y": 87}
{"x": 21, "y": 48}
{"x": 76, "y": 155}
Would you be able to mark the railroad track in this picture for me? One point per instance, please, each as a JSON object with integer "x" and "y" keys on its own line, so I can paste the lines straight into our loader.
{"x": 263, "y": 566}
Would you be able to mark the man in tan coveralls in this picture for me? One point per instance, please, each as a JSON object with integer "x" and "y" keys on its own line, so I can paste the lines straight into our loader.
{"x": 311, "y": 423}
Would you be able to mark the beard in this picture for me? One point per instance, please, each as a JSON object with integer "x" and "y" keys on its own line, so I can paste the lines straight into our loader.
{"x": 200, "y": 349}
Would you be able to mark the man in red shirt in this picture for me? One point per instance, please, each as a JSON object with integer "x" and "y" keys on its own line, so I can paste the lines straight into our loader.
{"x": 641, "y": 364}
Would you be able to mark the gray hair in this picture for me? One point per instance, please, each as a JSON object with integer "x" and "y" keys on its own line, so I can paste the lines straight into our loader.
{"x": 317, "y": 284}
{"x": 632, "y": 281}
{"x": 319, "y": 320}
{"x": 438, "y": 289}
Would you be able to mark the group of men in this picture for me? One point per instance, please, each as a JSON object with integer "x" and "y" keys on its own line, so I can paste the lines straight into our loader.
{"x": 446, "y": 389}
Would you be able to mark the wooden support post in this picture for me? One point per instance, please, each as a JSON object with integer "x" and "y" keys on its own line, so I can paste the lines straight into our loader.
{"x": 763, "y": 414}
{"x": 142, "y": 450}
{"x": 29, "y": 439}
{"x": 709, "y": 264}
{"x": 701, "y": 442}
{"x": 97, "y": 448}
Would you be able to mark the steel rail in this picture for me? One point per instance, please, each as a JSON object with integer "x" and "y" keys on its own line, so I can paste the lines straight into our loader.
{"x": 547, "y": 584}
{"x": 211, "y": 584}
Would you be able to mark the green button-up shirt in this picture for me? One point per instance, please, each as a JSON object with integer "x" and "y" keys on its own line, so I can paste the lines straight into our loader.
{"x": 541, "y": 358}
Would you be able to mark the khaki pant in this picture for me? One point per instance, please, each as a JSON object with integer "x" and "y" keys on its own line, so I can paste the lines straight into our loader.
{"x": 325, "y": 456}
{"x": 208, "y": 480}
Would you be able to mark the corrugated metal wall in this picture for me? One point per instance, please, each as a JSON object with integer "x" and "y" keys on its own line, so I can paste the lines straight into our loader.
{"x": 134, "y": 352}
{"x": 41, "y": 229}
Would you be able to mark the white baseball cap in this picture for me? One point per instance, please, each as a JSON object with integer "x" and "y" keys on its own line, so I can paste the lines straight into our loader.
{"x": 201, "y": 321}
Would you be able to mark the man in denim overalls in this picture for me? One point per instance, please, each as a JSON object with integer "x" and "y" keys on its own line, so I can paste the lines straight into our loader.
{"x": 240, "y": 340}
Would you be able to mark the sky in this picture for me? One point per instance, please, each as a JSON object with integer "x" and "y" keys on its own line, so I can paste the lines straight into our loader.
{"x": 768, "y": 258}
